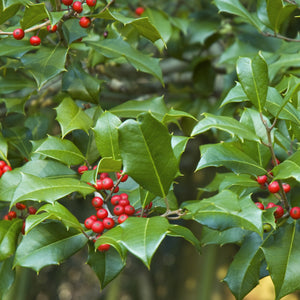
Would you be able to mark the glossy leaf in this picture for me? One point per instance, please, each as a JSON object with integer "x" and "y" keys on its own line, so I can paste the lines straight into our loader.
{"x": 107, "y": 265}
{"x": 9, "y": 233}
{"x": 48, "y": 244}
{"x": 116, "y": 48}
{"x": 62, "y": 150}
{"x": 179, "y": 144}
{"x": 229, "y": 156}
{"x": 142, "y": 236}
{"x": 253, "y": 76}
{"x": 34, "y": 220}
{"x": 73, "y": 31}
{"x": 71, "y": 117}
{"x": 243, "y": 273}
{"x": 106, "y": 135}
{"x": 184, "y": 232}
{"x": 45, "y": 64}
{"x": 7, "y": 275}
{"x": 33, "y": 14}
{"x": 224, "y": 211}
{"x": 147, "y": 143}
{"x": 227, "y": 124}
{"x": 281, "y": 250}
{"x": 3, "y": 148}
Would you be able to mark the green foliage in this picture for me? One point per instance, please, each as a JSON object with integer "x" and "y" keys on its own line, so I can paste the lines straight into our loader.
{"x": 133, "y": 94}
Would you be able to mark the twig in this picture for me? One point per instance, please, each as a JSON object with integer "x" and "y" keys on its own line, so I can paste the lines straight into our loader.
{"x": 279, "y": 36}
{"x": 36, "y": 27}
{"x": 174, "y": 215}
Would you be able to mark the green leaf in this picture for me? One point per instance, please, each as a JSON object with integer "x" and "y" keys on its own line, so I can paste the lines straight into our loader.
{"x": 81, "y": 85}
{"x": 71, "y": 117}
{"x": 34, "y": 220}
{"x": 3, "y": 148}
{"x": 229, "y": 156}
{"x": 48, "y": 244}
{"x": 179, "y": 144}
{"x": 289, "y": 168}
{"x": 281, "y": 251}
{"x": 62, "y": 214}
{"x": 9, "y": 233}
{"x": 227, "y": 124}
{"x": 13, "y": 48}
{"x": 142, "y": 236}
{"x": 236, "y": 8}
{"x": 7, "y": 275}
{"x": 116, "y": 48}
{"x": 7, "y": 13}
{"x": 106, "y": 135}
{"x": 29, "y": 187}
{"x": 107, "y": 265}
{"x": 278, "y": 13}
{"x": 72, "y": 30}
{"x": 45, "y": 63}
{"x": 142, "y": 25}
{"x": 243, "y": 273}
{"x": 132, "y": 108}
{"x": 62, "y": 150}
{"x": 184, "y": 232}
{"x": 173, "y": 115}
{"x": 253, "y": 76}
{"x": 34, "y": 14}
{"x": 224, "y": 211}
{"x": 15, "y": 104}
{"x": 145, "y": 144}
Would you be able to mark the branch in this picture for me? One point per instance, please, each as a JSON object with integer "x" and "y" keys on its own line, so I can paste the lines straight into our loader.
{"x": 174, "y": 215}
{"x": 279, "y": 36}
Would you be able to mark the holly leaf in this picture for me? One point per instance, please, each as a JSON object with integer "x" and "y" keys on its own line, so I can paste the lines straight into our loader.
{"x": 48, "y": 244}
{"x": 7, "y": 275}
{"x": 147, "y": 143}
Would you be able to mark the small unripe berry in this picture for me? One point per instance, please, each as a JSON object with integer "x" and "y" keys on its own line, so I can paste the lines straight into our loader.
{"x": 85, "y": 22}
{"x": 274, "y": 187}
{"x": 262, "y": 179}
{"x": 18, "y": 33}
{"x": 91, "y": 2}
{"x": 67, "y": 2}
{"x": 119, "y": 210}
{"x": 107, "y": 183}
{"x": 98, "y": 227}
{"x": 102, "y": 213}
{"x": 260, "y": 205}
{"x": 108, "y": 223}
{"x": 82, "y": 169}
{"x": 77, "y": 6}
{"x": 35, "y": 40}
{"x": 295, "y": 212}
{"x": 139, "y": 10}
{"x": 122, "y": 218}
{"x": 97, "y": 202}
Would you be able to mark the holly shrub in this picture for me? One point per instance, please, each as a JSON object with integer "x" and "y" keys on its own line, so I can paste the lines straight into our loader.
{"x": 62, "y": 141}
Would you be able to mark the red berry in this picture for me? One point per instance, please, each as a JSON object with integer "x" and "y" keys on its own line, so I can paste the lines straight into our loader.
{"x": 52, "y": 29}
{"x": 2, "y": 164}
{"x": 262, "y": 179}
{"x": 295, "y": 212}
{"x": 139, "y": 10}
{"x": 88, "y": 223}
{"x": 107, "y": 183}
{"x": 115, "y": 199}
{"x": 103, "y": 247}
{"x": 94, "y": 218}
{"x": 102, "y": 213}
{"x": 124, "y": 178}
{"x": 270, "y": 205}
{"x": 85, "y": 22}
{"x": 18, "y": 33}
{"x": 129, "y": 210}
{"x": 124, "y": 202}
{"x": 124, "y": 196}
{"x": 149, "y": 205}
{"x": 35, "y": 40}
{"x": 260, "y": 205}
{"x": 12, "y": 215}
{"x": 67, "y": 2}
{"x": 103, "y": 175}
{"x": 286, "y": 187}
{"x": 122, "y": 218}
{"x": 119, "y": 210}
{"x": 115, "y": 189}
{"x": 20, "y": 206}
{"x": 279, "y": 212}
{"x": 98, "y": 185}
{"x": 23, "y": 228}
{"x": 6, "y": 168}
{"x": 6, "y": 218}
{"x": 98, "y": 227}
{"x": 108, "y": 223}
{"x": 274, "y": 187}
{"x": 82, "y": 169}
{"x": 91, "y": 2}
{"x": 31, "y": 210}
{"x": 97, "y": 202}
{"x": 77, "y": 6}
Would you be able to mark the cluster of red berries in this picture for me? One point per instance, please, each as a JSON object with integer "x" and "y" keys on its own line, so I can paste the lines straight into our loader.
{"x": 22, "y": 211}
{"x": 273, "y": 186}
{"x": 4, "y": 167}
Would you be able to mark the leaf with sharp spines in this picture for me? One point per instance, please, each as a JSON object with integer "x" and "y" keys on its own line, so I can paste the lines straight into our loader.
{"x": 48, "y": 244}
{"x": 71, "y": 117}
{"x": 253, "y": 76}
{"x": 61, "y": 149}
{"x": 147, "y": 142}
